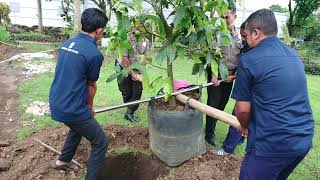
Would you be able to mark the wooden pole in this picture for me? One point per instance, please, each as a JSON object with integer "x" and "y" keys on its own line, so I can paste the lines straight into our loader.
{"x": 210, "y": 111}
{"x": 55, "y": 151}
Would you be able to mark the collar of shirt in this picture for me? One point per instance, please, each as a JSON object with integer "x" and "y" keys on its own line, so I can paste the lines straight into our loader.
{"x": 267, "y": 40}
{"x": 87, "y": 37}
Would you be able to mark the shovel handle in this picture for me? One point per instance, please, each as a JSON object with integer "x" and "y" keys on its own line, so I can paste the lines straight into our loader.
{"x": 210, "y": 111}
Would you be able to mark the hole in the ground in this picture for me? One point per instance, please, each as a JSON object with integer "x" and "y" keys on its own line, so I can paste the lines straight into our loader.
{"x": 130, "y": 166}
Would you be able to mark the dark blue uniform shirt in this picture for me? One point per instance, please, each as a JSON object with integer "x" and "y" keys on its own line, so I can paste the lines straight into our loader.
{"x": 79, "y": 60}
{"x": 271, "y": 76}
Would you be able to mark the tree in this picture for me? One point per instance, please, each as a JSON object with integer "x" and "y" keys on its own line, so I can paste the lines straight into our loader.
{"x": 4, "y": 13}
{"x": 77, "y": 14}
{"x": 191, "y": 34}
{"x": 302, "y": 10}
{"x": 278, "y": 8}
{"x": 40, "y": 26}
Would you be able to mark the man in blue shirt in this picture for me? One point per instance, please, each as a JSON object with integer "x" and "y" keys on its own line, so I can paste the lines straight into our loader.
{"x": 272, "y": 102}
{"x": 73, "y": 90}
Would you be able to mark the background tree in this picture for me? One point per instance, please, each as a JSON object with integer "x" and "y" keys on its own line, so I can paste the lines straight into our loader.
{"x": 303, "y": 9}
{"x": 77, "y": 14}
{"x": 40, "y": 25}
{"x": 4, "y": 13}
{"x": 278, "y": 8}
{"x": 182, "y": 29}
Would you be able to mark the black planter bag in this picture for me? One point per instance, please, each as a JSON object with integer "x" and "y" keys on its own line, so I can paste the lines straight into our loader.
{"x": 176, "y": 137}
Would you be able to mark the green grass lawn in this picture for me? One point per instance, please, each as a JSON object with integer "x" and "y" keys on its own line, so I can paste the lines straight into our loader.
{"x": 37, "y": 88}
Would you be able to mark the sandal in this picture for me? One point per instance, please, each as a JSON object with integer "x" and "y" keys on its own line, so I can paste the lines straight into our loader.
{"x": 65, "y": 167}
{"x": 221, "y": 152}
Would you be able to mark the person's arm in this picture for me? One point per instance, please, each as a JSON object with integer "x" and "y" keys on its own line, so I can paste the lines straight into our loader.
{"x": 242, "y": 110}
{"x": 92, "y": 88}
{"x": 126, "y": 63}
{"x": 242, "y": 94}
{"x": 214, "y": 80}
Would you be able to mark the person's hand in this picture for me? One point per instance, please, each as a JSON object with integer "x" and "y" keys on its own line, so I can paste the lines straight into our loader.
{"x": 230, "y": 78}
{"x": 244, "y": 132}
{"x": 215, "y": 80}
{"x": 133, "y": 76}
{"x": 93, "y": 113}
{"x": 139, "y": 77}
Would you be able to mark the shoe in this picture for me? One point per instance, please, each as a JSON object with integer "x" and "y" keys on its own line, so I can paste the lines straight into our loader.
{"x": 130, "y": 117}
{"x": 136, "y": 118}
{"x": 65, "y": 167}
{"x": 221, "y": 152}
{"x": 210, "y": 141}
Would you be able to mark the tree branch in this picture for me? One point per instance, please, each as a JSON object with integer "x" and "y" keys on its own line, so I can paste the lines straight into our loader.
{"x": 151, "y": 33}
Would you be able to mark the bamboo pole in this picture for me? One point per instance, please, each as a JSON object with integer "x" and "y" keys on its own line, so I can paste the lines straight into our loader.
{"x": 210, "y": 111}
{"x": 56, "y": 151}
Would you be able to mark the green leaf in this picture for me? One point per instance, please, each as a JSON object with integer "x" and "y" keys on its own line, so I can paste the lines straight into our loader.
{"x": 196, "y": 68}
{"x": 208, "y": 58}
{"x": 223, "y": 70}
{"x": 161, "y": 56}
{"x": 196, "y": 57}
{"x": 179, "y": 15}
{"x": 224, "y": 39}
{"x": 158, "y": 21}
{"x": 171, "y": 53}
{"x": 181, "y": 53}
{"x": 214, "y": 67}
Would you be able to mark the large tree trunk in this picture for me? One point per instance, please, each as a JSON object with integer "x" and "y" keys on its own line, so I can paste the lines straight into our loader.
{"x": 290, "y": 21}
{"x": 40, "y": 25}
{"x": 77, "y": 14}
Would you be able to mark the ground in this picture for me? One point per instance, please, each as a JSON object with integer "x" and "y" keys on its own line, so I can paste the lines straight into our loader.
{"x": 128, "y": 154}
{"x": 23, "y": 158}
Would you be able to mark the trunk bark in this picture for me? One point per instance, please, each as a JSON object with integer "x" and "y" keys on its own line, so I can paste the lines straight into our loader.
{"x": 40, "y": 25}
{"x": 290, "y": 21}
{"x": 77, "y": 14}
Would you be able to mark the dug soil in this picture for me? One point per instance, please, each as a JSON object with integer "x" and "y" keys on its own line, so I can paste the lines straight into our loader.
{"x": 7, "y": 52}
{"x": 162, "y": 105}
{"x": 29, "y": 160}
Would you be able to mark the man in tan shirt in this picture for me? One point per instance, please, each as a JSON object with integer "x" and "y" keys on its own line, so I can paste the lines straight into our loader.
{"x": 131, "y": 86}
{"x": 218, "y": 94}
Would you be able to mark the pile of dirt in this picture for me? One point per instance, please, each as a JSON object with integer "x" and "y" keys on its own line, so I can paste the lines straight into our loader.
{"x": 7, "y": 52}
{"x": 29, "y": 160}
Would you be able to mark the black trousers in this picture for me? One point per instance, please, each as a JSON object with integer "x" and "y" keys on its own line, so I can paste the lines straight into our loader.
{"x": 131, "y": 91}
{"x": 93, "y": 132}
{"x": 218, "y": 97}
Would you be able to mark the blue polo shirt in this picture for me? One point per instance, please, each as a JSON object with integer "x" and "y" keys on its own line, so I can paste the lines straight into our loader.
{"x": 271, "y": 76}
{"x": 79, "y": 60}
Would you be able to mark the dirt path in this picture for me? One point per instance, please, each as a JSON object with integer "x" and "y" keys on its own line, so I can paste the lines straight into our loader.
{"x": 9, "y": 116}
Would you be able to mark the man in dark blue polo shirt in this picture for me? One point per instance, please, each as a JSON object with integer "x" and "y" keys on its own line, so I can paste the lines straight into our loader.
{"x": 73, "y": 90}
{"x": 272, "y": 102}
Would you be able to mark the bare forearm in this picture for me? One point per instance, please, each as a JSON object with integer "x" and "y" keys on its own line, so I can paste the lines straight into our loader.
{"x": 243, "y": 118}
{"x": 243, "y": 112}
{"x": 92, "y": 88}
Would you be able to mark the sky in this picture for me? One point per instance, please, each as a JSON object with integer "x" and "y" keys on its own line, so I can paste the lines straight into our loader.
{"x": 259, "y": 4}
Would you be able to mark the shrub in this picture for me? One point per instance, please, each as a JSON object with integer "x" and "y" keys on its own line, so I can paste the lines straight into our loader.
{"x": 4, "y": 34}
{"x": 310, "y": 54}
{"x": 30, "y": 36}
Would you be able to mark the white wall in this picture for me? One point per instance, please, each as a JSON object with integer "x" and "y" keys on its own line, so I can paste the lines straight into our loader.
{"x": 243, "y": 14}
{"x": 27, "y": 12}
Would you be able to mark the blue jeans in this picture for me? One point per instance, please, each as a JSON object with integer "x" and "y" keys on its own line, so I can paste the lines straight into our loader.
{"x": 233, "y": 138}
{"x": 268, "y": 168}
{"x": 93, "y": 132}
